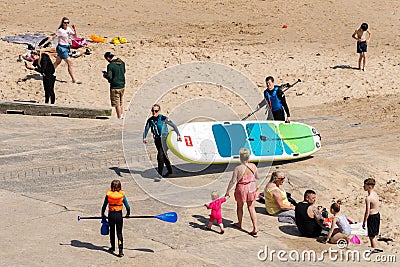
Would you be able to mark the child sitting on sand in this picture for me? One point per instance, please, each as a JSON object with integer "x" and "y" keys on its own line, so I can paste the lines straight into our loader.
{"x": 215, "y": 207}
{"x": 343, "y": 230}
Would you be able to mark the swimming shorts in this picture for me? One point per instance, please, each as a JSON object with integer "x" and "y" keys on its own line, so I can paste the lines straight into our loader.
{"x": 373, "y": 223}
{"x": 63, "y": 51}
{"x": 362, "y": 47}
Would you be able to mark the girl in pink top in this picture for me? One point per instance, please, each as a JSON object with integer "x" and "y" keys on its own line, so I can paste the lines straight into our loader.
{"x": 215, "y": 207}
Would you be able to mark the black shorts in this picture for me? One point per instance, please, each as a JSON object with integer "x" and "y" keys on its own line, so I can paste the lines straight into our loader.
{"x": 362, "y": 47}
{"x": 373, "y": 223}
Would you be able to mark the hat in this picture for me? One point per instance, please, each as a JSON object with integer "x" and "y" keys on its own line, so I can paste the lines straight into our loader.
{"x": 108, "y": 55}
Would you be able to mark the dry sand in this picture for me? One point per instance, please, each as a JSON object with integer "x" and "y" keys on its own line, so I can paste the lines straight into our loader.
{"x": 54, "y": 168}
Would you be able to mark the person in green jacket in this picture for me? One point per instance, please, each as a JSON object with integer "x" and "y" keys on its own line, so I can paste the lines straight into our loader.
{"x": 115, "y": 75}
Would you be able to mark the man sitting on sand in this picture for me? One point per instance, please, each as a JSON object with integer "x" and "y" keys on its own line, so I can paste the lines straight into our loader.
{"x": 309, "y": 217}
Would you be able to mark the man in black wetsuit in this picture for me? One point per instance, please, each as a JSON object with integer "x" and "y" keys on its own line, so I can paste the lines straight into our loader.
{"x": 158, "y": 125}
{"x": 275, "y": 98}
{"x": 308, "y": 217}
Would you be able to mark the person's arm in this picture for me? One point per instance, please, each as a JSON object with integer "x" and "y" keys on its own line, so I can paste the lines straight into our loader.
{"x": 261, "y": 104}
{"x": 369, "y": 36}
{"x": 109, "y": 75}
{"x": 74, "y": 32}
{"x": 256, "y": 176}
{"x": 49, "y": 40}
{"x": 146, "y": 130}
{"x": 366, "y": 214}
{"x": 355, "y": 35}
{"x": 170, "y": 123}
{"x": 232, "y": 182}
{"x": 128, "y": 208}
{"x": 335, "y": 220}
{"x": 317, "y": 215}
{"x": 103, "y": 209}
{"x": 281, "y": 96}
{"x": 278, "y": 198}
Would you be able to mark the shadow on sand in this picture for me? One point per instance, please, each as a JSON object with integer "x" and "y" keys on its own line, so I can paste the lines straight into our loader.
{"x": 344, "y": 67}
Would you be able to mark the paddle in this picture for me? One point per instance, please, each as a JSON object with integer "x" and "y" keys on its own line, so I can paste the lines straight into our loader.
{"x": 284, "y": 87}
{"x": 170, "y": 217}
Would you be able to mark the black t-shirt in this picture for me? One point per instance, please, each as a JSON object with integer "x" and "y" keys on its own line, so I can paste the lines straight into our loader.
{"x": 307, "y": 226}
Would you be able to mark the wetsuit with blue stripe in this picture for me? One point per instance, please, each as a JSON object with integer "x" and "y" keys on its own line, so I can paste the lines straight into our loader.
{"x": 276, "y": 102}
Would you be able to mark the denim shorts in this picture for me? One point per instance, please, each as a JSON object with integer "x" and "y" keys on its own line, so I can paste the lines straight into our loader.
{"x": 63, "y": 51}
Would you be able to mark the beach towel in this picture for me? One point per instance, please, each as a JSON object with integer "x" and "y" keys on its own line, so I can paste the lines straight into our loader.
{"x": 28, "y": 38}
{"x": 356, "y": 229}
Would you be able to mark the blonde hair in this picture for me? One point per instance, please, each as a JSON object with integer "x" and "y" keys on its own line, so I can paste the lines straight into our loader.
{"x": 275, "y": 176}
{"x": 214, "y": 195}
{"x": 244, "y": 155}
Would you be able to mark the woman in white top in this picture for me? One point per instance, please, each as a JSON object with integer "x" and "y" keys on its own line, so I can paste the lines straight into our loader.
{"x": 64, "y": 34}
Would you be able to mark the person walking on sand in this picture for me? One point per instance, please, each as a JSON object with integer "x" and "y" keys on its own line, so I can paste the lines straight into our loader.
{"x": 43, "y": 64}
{"x": 215, "y": 207}
{"x": 362, "y": 35}
{"x": 343, "y": 229}
{"x": 244, "y": 177}
{"x": 116, "y": 77}
{"x": 372, "y": 216}
{"x": 158, "y": 124}
{"x": 275, "y": 98}
{"x": 64, "y": 34}
{"x": 115, "y": 198}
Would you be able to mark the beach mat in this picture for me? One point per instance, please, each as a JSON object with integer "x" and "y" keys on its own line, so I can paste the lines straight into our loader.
{"x": 28, "y": 38}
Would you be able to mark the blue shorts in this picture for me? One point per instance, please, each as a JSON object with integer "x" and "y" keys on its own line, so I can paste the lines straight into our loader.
{"x": 63, "y": 51}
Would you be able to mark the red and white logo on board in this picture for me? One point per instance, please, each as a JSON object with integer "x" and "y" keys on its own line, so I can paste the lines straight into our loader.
{"x": 188, "y": 141}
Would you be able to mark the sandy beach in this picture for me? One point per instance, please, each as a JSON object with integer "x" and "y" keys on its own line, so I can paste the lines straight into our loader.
{"x": 54, "y": 169}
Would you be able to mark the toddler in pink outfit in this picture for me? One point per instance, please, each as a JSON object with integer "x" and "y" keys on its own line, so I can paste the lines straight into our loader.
{"x": 215, "y": 207}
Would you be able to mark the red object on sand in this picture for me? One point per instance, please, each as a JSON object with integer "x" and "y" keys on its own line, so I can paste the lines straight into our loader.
{"x": 284, "y": 26}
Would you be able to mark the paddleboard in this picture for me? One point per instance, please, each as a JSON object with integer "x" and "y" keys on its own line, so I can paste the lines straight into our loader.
{"x": 219, "y": 142}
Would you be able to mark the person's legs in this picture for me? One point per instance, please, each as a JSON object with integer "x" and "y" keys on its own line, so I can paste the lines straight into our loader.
{"x": 57, "y": 62}
{"x": 52, "y": 81}
{"x": 112, "y": 222}
{"x": 239, "y": 212}
{"x": 221, "y": 226}
{"x": 364, "y": 60}
{"x": 210, "y": 222}
{"x": 46, "y": 85}
{"x": 165, "y": 155}
{"x": 119, "y": 224}
{"x": 253, "y": 215}
{"x": 70, "y": 71}
{"x": 359, "y": 61}
{"x": 118, "y": 110}
{"x": 160, "y": 155}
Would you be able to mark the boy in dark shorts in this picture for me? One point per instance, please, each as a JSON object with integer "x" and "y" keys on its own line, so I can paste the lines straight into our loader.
{"x": 371, "y": 215}
{"x": 362, "y": 35}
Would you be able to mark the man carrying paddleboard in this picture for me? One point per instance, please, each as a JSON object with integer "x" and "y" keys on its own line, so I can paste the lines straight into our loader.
{"x": 158, "y": 125}
{"x": 275, "y": 98}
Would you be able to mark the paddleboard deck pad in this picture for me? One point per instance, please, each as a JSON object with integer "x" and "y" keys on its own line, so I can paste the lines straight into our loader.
{"x": 219, "y": 142}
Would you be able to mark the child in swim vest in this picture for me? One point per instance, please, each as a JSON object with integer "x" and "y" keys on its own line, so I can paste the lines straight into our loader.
{"x": 115, "y": 199}
{"x": 215, "y": 207}
{"x": 343, "y": 229}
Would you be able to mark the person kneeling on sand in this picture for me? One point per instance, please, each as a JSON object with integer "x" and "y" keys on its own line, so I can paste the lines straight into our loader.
{"x": 343, "y": 230}
{"x": 309, "y": 218}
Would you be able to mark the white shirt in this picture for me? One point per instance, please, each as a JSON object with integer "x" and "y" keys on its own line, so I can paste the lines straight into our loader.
{"x": 64, "y": 35}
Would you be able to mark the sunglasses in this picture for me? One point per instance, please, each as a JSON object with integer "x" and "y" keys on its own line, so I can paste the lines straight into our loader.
{"x": 282, "y": 178}
{"x": 155, "y": 111}
{"x": 66, "y": 22}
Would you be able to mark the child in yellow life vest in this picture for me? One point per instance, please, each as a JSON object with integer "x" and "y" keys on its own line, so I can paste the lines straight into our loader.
{"x": 115, "y": 198}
